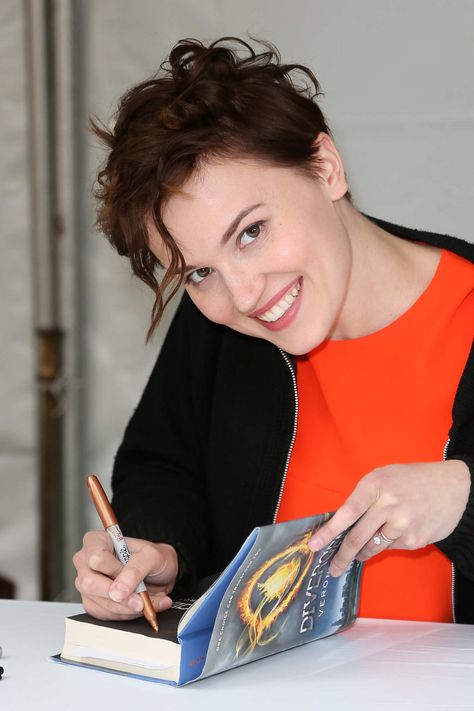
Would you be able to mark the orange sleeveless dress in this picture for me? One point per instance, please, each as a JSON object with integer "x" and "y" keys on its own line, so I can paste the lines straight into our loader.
{"x": 382, "y": 399}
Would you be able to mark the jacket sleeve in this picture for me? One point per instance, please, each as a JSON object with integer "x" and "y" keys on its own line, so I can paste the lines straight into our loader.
{"x": 459, "y": 545}
{"x": 159, "y": 475}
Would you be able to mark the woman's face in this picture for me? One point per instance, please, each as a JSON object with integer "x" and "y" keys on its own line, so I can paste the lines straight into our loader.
{"x": 266, "y": 251}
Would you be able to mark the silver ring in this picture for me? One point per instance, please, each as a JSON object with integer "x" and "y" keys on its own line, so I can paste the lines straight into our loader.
{"x": 379, "y": 538}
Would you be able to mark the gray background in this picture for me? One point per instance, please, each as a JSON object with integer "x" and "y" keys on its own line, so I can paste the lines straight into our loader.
{"x": 399, "y": 95}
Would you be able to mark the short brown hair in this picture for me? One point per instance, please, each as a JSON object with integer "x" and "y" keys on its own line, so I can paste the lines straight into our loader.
{"x": 216, "y": 101}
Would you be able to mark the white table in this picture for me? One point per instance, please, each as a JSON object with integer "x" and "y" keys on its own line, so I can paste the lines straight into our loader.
{"x": 377, "y": 665}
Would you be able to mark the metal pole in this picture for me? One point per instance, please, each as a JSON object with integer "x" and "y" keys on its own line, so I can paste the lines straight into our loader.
{"x": 53, "y": 27}
{"x": 45, "y": 269}
{"x": 49, "y": 460}
{"x": 71, "y": 126}
{"x": 39, "y": 48}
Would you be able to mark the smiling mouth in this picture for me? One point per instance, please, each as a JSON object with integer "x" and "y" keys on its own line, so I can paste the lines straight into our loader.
{"x": 278, "y": 310}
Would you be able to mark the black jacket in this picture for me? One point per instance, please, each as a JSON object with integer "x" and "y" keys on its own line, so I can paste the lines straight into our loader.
{"x": 203, "y": 456}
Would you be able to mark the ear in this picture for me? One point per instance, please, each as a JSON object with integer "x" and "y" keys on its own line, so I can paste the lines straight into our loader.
{"x": 329, "y": 166}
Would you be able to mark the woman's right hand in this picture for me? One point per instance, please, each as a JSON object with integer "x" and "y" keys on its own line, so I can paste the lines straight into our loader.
{"x": 108, "y": 588}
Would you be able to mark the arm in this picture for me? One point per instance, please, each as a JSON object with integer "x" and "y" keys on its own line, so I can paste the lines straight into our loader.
{"x": 159, "y": 477}
{"x": 159, "y": 482}
{"x": 459, "y": 545}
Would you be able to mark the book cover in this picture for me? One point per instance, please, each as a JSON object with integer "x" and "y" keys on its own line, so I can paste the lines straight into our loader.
{"x": 274, "y": 595}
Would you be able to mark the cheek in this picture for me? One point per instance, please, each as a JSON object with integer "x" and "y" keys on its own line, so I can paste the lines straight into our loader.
{"x": 212, "y": 306}
{"x": 290, "y": 255}
{"x": 330, "y": 253}
{"x": 300, "y": 242}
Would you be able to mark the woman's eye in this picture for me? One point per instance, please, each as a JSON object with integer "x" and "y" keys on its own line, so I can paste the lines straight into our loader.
{"x": 198, "y": 275}
{"x": 250, "y": 234}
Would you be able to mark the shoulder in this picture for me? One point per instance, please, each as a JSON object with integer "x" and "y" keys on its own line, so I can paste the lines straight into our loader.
{"x": 454, "y": 244}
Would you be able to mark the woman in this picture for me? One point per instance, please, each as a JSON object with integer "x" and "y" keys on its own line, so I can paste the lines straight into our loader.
{"x": 319, "y": 359}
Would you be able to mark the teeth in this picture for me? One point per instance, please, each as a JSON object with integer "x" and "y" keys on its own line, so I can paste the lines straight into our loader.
{"x": 279, "y": 309}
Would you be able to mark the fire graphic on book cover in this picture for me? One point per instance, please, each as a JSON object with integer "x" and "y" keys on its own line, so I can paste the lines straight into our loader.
{"x": 269, "y": 592}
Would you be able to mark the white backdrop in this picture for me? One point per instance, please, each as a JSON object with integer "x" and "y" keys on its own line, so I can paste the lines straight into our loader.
{"x": 399, "y": 95}
{"x": 17, "y": 440}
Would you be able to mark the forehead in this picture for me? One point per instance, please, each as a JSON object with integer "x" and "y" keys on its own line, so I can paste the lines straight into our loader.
{"x": 225, "y": 187}
{"x": 207, "y": 201}
{"x": 216, "y": 184}
{"x": 218, "y": 191}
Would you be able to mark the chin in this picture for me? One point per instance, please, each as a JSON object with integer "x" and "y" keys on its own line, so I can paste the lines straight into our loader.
{"x": 300, "y": 347}
{"x": 296, "y": 351}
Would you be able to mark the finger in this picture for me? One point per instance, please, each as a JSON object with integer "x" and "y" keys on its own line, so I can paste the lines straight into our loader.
{"x": 378, "y": 543}
{"x": 96, "y": 540}
{"x": 159, "y": 557}
{"x": 98, "y": 554}
{"x": 160, "y": 601}
{"x": 107, "y": 610}
{"x": 361, "y": 541}
{"x": 90, "y": 581}
{"x": 363, "y": 496}
{"x": 163, "y": 601}
{"x": 148, "y": 560}
{"x": 103, "y": 607}
{"x": 93, "y": 584}
{"x": 105, "y": 562}
{"x": 94, "y": 589}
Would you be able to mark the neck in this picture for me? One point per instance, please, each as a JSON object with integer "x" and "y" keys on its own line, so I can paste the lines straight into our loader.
{"x": 388, "y": 275}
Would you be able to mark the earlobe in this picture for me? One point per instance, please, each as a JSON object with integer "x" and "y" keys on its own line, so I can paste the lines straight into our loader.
{"x": 330, "y": 167}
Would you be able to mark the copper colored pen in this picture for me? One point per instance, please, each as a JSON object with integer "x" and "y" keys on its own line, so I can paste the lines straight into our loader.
{"x": 110, "y": 523}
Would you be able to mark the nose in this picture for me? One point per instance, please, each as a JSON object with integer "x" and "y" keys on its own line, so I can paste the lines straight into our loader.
{"x": 245, "y": 289}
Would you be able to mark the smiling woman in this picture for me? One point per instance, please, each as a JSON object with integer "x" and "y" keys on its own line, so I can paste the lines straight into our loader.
{"x": 207, "y": 102}
{"x": 319, "y": 359}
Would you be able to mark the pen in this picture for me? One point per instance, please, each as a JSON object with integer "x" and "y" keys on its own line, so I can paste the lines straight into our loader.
{"x": 110, "y": 523}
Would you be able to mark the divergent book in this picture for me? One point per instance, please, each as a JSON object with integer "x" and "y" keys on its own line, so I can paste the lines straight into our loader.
{"x": 274, "y": 595}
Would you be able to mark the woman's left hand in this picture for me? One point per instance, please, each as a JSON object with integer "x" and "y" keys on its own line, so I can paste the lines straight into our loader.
{"x": 411, "y": 505}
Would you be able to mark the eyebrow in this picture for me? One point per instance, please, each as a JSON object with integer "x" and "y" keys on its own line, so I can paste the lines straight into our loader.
{"x": 231, "y": 229}
{"x": 235, "y": 222}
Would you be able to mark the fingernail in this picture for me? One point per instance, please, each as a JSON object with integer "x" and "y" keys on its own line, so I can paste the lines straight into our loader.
{"x": 334, "y": 570}
{"x": 118, "y": 592}
{"x": 315, "y": 544}
{"x": 135, "y": 604}
{"x": 163, "y": 603}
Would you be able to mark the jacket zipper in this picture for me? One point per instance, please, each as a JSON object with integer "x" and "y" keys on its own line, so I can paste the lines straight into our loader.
{"x": 453, "y": 572}
{"x": 293, "y": 437}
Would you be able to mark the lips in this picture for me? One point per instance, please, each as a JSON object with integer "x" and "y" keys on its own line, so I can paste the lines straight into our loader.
{"x": 281, "y": 309}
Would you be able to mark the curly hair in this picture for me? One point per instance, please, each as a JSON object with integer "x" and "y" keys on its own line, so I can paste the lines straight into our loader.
{"x": 223, "y": 100}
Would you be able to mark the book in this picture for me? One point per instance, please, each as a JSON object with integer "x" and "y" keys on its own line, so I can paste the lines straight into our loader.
{"x": 274, "y": 595}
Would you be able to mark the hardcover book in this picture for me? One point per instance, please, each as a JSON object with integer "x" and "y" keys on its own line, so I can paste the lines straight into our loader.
{"x": 275, "y": 594}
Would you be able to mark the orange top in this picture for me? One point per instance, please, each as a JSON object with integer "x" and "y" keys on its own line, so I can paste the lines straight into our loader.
{"x": 381, "y": 399}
